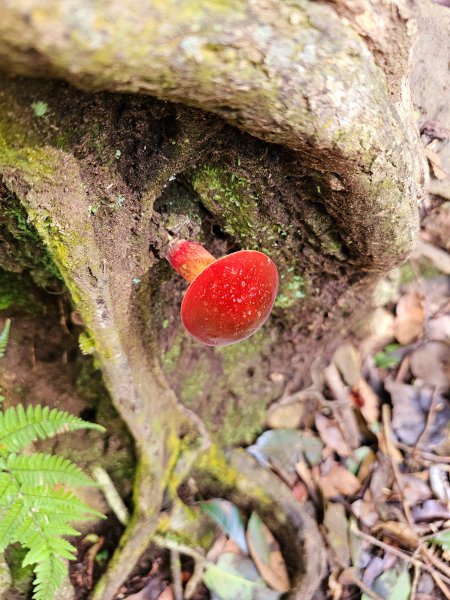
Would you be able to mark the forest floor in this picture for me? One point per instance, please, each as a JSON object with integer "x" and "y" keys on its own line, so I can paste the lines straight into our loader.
{"x": 371, "y": 464}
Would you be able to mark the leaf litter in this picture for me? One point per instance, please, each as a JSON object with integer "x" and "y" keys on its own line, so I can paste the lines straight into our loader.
{"x": 366, "y": 448}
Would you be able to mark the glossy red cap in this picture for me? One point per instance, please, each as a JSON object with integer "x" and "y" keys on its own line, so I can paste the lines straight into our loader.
{"x": 231, "y": 298}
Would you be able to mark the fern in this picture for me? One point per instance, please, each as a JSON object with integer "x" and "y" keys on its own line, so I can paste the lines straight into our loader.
{"x": 35, "y": 508}
{"x": 4, "y": 337}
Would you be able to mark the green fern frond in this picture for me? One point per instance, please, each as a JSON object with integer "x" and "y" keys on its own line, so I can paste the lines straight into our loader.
{"x": 4, "y": 337}
{"x": 20, "y": 427}
{"x": 58, "y": 500}
{"x": 49, "y": 575}
{"x": 40, "y": 469}
{"x": 11, "y": 518}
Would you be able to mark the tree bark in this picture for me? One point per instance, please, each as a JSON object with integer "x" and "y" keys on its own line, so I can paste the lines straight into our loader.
{"x": 306, "y": 150}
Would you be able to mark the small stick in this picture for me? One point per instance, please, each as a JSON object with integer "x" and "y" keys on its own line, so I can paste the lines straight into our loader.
{"x": 193, "y": 582}
{"x": 175, "y": 567}
{"x": 112, "y": 496}
{"x": 428, "y": 423}
{"x": 415, "y": 583}
{"x": 395, "y": 551}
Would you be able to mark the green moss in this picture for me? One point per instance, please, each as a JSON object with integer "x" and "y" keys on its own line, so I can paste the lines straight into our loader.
{"x": 16, "y": 291}
{"x": 232, "y": 197}
{"x": 86, "y": 343}
{"x": 292, "y": 289}
{"x": 22, "y": 577}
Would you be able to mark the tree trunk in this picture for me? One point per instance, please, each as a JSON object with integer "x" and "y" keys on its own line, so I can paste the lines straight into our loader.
{"x": 293, "y": 134}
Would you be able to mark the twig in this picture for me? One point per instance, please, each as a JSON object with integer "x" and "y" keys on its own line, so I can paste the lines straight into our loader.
{"x": 112, "y": 496}
{"x": 386, "y": 416}
{"x": 362, "y": 586}
{"x": 415, "y": 583}
{"x": 395, "y": 551}
{"x": 175, "y": 567}
{"x": 195, "y": 579}
{"x": 182, "y": 548}
{"x": 438, "y": 581}
{"x": 428, "y": 423}
{"x": 343, "y": 410}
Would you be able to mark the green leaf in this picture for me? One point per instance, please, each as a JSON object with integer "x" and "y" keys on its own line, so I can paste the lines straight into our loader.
{"x": 229, "y": 519}
{"x": 388, "y": 357}
{"x": 443, "y": 540}
{"x": 4, "y": 337}
{"x": 39, "y": 469}
{"x": 49, "y": 575}
{"x": 20, "y": 427}
{"x": 283, "y": 448}
{"x": 236, "y": 578}
{"x": 393, "y": 584}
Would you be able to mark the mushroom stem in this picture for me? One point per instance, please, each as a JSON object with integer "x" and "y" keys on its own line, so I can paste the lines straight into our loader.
{"x": 189, "y": 259}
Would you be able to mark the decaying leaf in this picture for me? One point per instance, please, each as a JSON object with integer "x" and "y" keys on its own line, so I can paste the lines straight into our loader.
{"x": 229, "y": 519}
{"x": 365, "y": 510}
{"x": 431, "y": 363}
{"x": 438, "y": 329}
{"x": 394, "y": 584}
{"x": 331, "y": 435}
{"x": 431, "y": 511}
{"x": 236, "y": 578}
{"x": 442, "y": 539}
{"x": 408, "y": 324}
{"x": 338, "y": 481}
{"x": 364, "y": 398}
{"x": 289, "y": 415}
{"x": 336, "y": 525}
{"x": 282, "y": 448}
{"x": 439, "y": 482}
{"x": 348, "y": 361}
{"x": 415, "y": 490}
{"x": 265, "y": 551}
{"x": 400, "y": 532}
{"x": 167, "y": 594}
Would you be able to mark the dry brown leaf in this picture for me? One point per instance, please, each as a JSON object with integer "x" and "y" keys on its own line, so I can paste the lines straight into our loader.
{"x": 399, "y": 531}
{"x": 338, "y": 481}
{"x": 435, "y": 163}
{"x": 336, "y": 524}
{"x": 366, "y": 466}
{"x": 438, "y": 329}
{"x": 439, "y": 482}
{"x": 414, "y": 489}
{"x": 365, "y": 510}
{"x": 408, "y": 324}
{"x": 348, "y": 361}
{"x": 167, "y": 594}
{"x": 365, "y": 399}
{"x": 331, "y": 435}
{"x": 381, "y": 480}
{"x": 431, "y": 363}
{"x": 266, "y": 554}
{"x": 290, "y": 416}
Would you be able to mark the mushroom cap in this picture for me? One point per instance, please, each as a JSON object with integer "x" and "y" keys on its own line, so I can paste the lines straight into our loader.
{"x": 230, "y": 299}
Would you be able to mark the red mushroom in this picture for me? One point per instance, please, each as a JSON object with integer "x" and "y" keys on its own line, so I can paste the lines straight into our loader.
{"x": 229, "y": 298}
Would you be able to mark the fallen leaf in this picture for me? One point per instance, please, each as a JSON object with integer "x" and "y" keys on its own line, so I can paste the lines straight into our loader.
{"x": 166, "y": 595}
{"x": 442, "y": 539}
{"x": 365, "y": 510}
{"x": 348, "y": 361}
{"x": 338, "y": 481}
{"x": 287, "y": 416}
{"x": 336, "y": 524}
{"x": 378, "y": 565}
{"x": 236, "y": 578}
{"x": 410, "y": 316}
{"x": 408, "y": 419}
{"x": 433, "y": 157}
{"x": 331, "y": 435}
{"x": 282, "y": 448}
{"x": 394, "y": 584}
{"x": 439, "y": 482}
{"x": 411, "y": 404}
{"x": 229, "y": 519}
{"x": 389, "y": 357}
{"x": 438, "y": 329}
{"x": 265, "y": 551}
{"x": 431, "y": 511}
{"x": 400, "y": 532}
{"x": 431, "y": 363}
{"x": 364, "y": 398}
{"x": 415, "y": 490}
